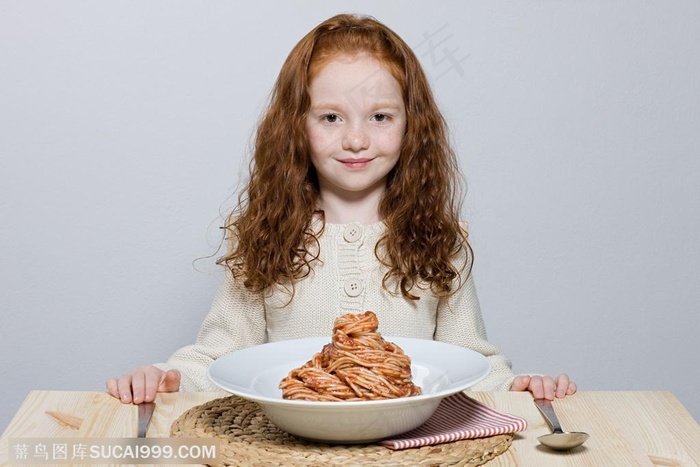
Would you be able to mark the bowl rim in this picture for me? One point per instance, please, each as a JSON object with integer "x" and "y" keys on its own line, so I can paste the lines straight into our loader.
{"x": 341, "y": 405}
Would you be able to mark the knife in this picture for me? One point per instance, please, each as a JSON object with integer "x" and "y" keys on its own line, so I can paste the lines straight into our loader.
{"x": 145, "y": 413}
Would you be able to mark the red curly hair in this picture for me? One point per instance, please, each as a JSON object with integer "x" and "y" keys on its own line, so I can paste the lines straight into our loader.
{"x": 271, "y": 226}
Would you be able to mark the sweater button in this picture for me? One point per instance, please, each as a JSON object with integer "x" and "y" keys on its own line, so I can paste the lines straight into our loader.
{"x": 353, "y": 287}
{"x": 352, "y": 232}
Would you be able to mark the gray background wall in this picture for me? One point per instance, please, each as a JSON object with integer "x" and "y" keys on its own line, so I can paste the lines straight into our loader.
{"x": 124, "y": 129}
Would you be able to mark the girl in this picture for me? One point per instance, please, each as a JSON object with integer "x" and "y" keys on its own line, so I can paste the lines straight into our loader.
{"x": 351, "y": 205}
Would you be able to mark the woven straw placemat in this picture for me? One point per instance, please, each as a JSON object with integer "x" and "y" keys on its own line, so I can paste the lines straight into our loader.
{"x": 248, "y": 438}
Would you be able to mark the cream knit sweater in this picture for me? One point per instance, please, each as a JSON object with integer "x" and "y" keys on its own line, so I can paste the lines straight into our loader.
{"x": 347, "y": 279}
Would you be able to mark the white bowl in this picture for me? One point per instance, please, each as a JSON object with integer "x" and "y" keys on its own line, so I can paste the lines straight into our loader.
{"x": 254, "y": 373}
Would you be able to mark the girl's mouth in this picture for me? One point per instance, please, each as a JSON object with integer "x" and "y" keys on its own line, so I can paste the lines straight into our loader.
{"x": 355, "y": 163}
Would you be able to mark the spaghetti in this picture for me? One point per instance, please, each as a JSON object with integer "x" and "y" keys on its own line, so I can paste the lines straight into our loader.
{"x": 357, "y": 365}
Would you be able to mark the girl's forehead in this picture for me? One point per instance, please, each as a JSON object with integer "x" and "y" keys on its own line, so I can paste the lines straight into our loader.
{"x": 318, "y": 64}
{"x": 355, "y": 77}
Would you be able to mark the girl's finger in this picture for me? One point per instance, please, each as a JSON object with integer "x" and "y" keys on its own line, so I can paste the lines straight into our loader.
{"x": 548, "y": 385}
{"x": 536, "y": 387}
{"x": 562, "y": 385}
{"x": 138, "y": 385}
{"x": 153, "y": 378}
{"x": 520, "y": 383}
{"x": 112, "y": 388}
{"x": 124, "y": 388}
{"x": 572, "y": 388}
{"x": 171, "y": 381}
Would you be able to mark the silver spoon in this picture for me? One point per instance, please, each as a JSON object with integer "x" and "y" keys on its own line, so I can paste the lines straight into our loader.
{"x": 559, "y": 439}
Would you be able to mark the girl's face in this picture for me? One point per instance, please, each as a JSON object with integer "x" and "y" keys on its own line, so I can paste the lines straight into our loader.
{"x": 355, "y": 126}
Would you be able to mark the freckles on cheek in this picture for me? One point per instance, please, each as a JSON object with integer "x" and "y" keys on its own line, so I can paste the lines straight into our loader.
{"x": 313, "y": 139}
{"x": 391, "y": 141}
{"x": 317, "y": 146}
{"x": 322, "y": 144}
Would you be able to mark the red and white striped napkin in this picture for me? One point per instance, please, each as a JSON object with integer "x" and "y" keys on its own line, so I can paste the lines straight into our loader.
{"x": 458, "y": 417}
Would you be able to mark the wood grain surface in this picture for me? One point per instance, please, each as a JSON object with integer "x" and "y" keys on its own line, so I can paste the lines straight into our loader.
{"x": 647, "y": 428}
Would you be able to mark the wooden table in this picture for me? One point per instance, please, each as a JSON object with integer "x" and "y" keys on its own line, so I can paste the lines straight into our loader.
{"x": 649, "y": 428}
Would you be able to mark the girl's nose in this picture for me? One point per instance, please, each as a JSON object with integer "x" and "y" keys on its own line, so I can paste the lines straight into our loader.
{"x": 355, "y": 139}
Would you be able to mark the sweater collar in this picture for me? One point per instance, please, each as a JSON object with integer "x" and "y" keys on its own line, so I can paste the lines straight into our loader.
{"x": 336, "y": 230}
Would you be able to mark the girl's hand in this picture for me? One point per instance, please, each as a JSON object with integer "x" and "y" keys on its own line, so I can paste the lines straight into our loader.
{"x": 544, "y": 387}
{"x": 142, "y": 384}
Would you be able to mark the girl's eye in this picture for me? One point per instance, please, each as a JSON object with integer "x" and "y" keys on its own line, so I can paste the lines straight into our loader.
{"x": 330, "y": 118}
{"x": 380, "y": 117}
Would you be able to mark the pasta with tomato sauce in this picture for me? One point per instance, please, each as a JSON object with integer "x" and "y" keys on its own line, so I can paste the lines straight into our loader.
{"x": 358, "y": 365}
